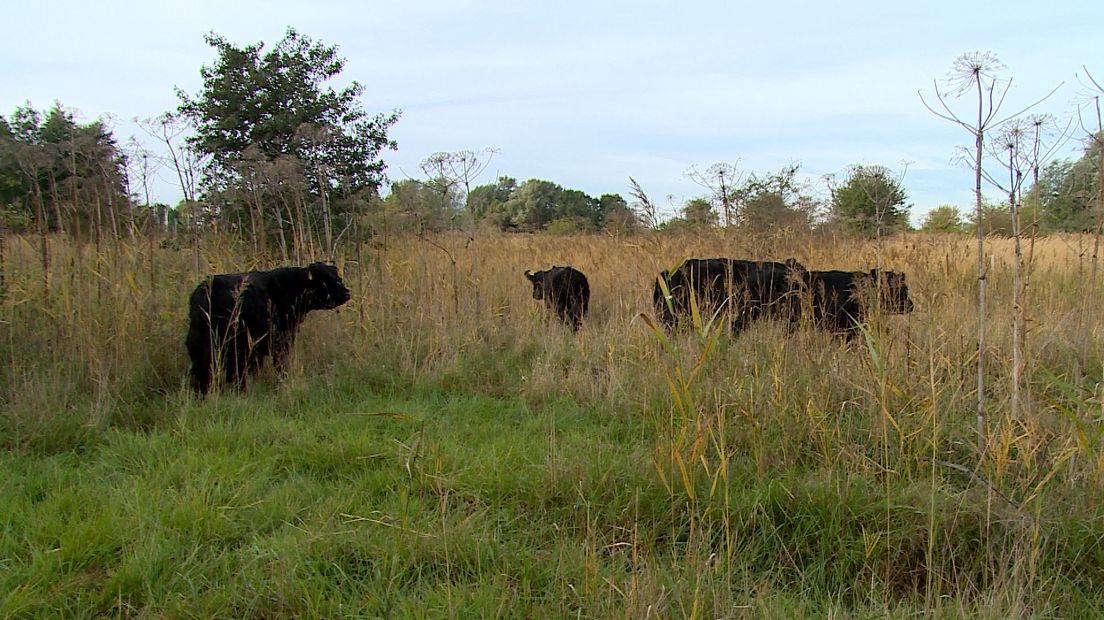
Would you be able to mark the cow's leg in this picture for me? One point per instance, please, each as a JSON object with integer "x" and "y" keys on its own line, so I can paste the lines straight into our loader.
{"x": 281, "y": 350}
{"x": 201, "y": 374}
{"x": 562, "y": 306}
{"x": 853, "y": 327}
{"x": 743, "y": 316}
{"x": 236, "y": 360}
{"x": 577, "y": 308}
{"x": 199, "y": 350}
{"x": 740, "y": 321}
{"x": 790, "y": 312}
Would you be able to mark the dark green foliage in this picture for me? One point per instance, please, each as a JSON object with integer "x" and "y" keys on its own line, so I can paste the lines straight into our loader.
{"x": 996, "y": 219}
{"x": 288, "y": 159}
{"x": 277, "y": 104}
{"x": 699, "y": 212}
{"x": 944, "y": 218}
{"x": 537, "y": 203}
{"x": 695, "y": 215}
{"x": 616, "y": 214}
{"x": 488, "y": 199}
{"x": 1068, "y": 192}
{"x": 62, "y": 174}
{"x": 871, "y": 202}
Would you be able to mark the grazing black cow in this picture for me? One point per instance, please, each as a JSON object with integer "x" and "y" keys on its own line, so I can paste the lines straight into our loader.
{"x": 565, "y": 290}
{"x": 840, "y": 301}
{"x": 243, "y": 317}
{"x": 746, "y": 290}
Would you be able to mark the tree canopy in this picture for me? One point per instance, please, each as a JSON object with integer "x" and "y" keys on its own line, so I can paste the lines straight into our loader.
{"x": 537, "y": 203}
{"x": 1068, "y": 192}
{"x": 62, "y": 174}
{"x": 944, "y": 218}
{"x": 871, "y": 201}
{"x": 276, "y": 104}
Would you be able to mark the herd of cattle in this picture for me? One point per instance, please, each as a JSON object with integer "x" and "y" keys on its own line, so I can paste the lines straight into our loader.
{"x": 744, "y": 291}
{"x": 239, "y": 319}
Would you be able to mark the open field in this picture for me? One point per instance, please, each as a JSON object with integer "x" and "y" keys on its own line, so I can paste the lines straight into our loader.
{"x": 441, "y": 448}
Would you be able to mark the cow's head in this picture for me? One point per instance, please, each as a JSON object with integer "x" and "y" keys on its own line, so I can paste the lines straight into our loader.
{"x": 325, "y": 290}
{"x": 537, "y": 278}
{"x": 893, "y": 290}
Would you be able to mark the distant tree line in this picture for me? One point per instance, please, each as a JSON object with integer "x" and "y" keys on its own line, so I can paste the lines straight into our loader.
{"x": 1065, "y": 199}
{"x": 60, "y": 175}
{"x": 268, "y": 151}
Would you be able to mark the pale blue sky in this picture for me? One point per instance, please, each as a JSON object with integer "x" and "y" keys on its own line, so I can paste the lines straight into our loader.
{"x": 587, "y": 94}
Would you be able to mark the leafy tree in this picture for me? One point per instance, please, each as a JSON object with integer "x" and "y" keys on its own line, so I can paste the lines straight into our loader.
{"x": 13, "y": 187}
{"x": 612, "y": 206}
{"x": 944, "y": 218}
{"x": 996, "y": 219}
{"x": 62, "y": 174}
{"x": 535, "y": 203}
{"x": 699, "y": 213}
{"x": 1067, "y": 191}
{"x": 871, "y": 202}
{"x": 487, "y": 200}
{"x": 775, "y": 201}
{"x": 695, "y": 215}
{"x": 417, "y": 205}
{"x": 617, "y": 215}
{"x": 276, "y": 103}
{"x": 532, "y": 205}
{"x": 574, "y": 203}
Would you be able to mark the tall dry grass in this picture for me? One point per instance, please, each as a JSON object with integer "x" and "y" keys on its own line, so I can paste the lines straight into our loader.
{"x": 108, "y": 332}
{"x": 103, "y": 347}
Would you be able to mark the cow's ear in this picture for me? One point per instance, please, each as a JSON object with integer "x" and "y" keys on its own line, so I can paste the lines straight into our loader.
{"x": 532, "y": 276}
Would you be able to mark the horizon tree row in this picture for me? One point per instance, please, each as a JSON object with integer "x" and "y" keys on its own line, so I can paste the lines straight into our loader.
{"x": 266, "y": 150}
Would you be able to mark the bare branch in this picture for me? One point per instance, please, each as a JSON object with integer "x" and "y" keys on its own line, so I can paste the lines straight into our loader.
{"x": 1092, "y": 79}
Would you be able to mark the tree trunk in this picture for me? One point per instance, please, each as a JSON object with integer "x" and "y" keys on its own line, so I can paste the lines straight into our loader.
{"x": 57, "y": 204}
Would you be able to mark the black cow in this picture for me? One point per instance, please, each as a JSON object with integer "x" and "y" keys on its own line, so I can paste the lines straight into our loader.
{"x": 840, "y": 301}
{"x": 243, "y": 317}
{"x": 745, "y": 290}
{"x": 565, "y": 290}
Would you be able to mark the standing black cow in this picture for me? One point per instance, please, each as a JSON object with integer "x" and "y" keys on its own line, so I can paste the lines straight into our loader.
{"x": 565, "y": 290}
{"x": 746, "y": 290}
{"x": 840, "y": 301}
{"x": 243, "y": 317}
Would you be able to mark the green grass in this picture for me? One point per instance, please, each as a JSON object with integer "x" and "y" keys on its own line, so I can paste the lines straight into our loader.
{"x": 342, "y": 501}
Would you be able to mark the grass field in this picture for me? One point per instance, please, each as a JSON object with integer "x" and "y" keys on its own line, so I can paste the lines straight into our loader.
{"x": 442, "y": 449}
